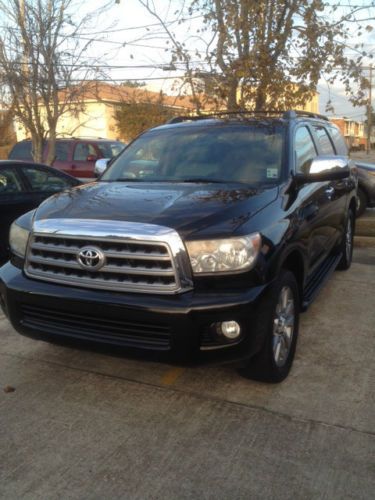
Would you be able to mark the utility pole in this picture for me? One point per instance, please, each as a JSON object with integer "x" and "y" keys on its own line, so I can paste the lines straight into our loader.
{"x": 369, "y": 114}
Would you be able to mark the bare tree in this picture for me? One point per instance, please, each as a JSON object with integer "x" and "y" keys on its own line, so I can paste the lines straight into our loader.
{"x": 41, "y": 56}
{"x": 272, "y": 53}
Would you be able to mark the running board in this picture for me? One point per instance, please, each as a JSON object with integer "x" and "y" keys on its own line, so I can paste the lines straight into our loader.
{"x": 319, "y": 279}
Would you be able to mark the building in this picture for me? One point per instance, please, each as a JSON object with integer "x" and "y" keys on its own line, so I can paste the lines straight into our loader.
{"x": 353, "y": 131}
{"x": 93, "y": 114}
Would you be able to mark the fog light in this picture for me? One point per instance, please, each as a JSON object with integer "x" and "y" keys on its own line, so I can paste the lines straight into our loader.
{"x": 230, "y": 329}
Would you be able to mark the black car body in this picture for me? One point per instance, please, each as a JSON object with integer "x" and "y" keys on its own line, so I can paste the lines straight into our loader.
{"x": 205, "y": 235}
{"x": 366, "y": 185}
{"x": 23, "y": 186}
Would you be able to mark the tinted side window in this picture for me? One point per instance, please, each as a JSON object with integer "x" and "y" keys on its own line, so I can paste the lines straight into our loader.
{"x": 44, "y": 180}
{"x": 21, "y": 150}
{"x": 9, "y": 182}
{"x": 325, "y": 143}
{"x": 110, "y": 149}
{"x": 304, "y": 149}
{"x": 339, "y": 141}
{"x": 62, "y": 151}
{"x": 82, "y": 151}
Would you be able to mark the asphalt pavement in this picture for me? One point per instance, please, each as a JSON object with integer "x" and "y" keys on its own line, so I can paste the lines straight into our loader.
{"x": 76, "y": 424}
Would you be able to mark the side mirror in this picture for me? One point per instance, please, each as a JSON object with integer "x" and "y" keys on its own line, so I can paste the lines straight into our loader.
{"x": 324, "y": 168}
{"x": 100, "y": 166}
{"x": 91, "y": 158}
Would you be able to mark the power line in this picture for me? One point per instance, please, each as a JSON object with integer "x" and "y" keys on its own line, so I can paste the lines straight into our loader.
{"x": 133, "y": 79}
{"x": 163, "y": 66}
{"x": 132, "y": 28}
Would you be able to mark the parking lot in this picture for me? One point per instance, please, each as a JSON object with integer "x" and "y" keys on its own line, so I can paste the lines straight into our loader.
{"x": 89, "y": 425}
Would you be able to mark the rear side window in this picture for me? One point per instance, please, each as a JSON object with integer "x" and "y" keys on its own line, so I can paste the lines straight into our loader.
{"x": 9, "y": 182}
{"x": 304, "y": 150}
{"x": 62, "y": 151}
{"x": 21, "y": 151}
{"x": 339, "y": 141}
{"x": 326, "y": 146}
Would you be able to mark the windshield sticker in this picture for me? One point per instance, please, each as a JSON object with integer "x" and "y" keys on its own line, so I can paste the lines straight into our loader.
{"x": 272, "y": 173}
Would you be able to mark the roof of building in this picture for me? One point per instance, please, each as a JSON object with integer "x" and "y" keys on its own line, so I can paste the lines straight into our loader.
{"x": 106, "y": 92}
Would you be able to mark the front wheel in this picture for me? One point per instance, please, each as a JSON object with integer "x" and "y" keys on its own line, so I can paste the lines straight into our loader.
{"x": 347, "y": 243}
{"x": 277, "y": 323}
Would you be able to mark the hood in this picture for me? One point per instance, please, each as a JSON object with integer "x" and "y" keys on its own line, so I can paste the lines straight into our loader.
{"x": 204, "y": 209}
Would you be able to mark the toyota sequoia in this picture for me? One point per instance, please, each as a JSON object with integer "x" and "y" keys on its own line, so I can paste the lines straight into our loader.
{"x": 206, "y": 236}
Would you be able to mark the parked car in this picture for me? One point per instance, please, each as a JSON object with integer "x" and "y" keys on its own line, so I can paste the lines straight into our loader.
{"x": 74, "y": 156}
{"x": 366, "y": 186}
{"x": 207, "y": 235}
{"x": 23, "y": 186}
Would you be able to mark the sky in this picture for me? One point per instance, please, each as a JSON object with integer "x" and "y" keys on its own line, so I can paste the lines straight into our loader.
{"x": 126, "y": 39}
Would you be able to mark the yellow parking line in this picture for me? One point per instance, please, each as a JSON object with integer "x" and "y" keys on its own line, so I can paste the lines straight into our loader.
{"x": 171, "y": 376}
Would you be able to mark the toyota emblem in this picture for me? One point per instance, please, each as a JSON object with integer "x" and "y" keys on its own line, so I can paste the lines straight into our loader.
{"x": 91, "y": 258}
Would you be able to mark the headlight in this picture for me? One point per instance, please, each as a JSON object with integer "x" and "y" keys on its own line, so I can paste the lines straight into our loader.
{"x": 18, "y": 238}
{"x": 224, "y": 256}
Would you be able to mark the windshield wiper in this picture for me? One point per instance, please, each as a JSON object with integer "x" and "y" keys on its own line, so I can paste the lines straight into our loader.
{"x": 201, "y": 180}
{"x": 128, "y": 179}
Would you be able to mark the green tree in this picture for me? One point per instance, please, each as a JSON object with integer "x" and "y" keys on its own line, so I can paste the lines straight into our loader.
{"x": 134, "y": 117}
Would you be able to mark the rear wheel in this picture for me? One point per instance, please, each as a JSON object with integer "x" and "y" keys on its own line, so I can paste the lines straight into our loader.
{"x": 347, "y": 244}
{"x": 277, "y": 323}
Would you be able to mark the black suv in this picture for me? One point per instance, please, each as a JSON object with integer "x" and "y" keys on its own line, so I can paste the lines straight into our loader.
{"x": 206, "y": 235}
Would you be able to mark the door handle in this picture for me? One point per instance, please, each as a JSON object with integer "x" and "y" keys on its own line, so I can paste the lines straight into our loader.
{"x": 330, "y": 191}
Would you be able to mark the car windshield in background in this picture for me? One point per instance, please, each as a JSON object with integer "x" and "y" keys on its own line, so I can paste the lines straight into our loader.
{"x": 110, "y": 149}
{"x": 250, "y": 154}
{"x": 22, "y": 150}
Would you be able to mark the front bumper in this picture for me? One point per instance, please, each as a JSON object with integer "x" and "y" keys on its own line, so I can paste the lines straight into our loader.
{"x": 179, "y": 324}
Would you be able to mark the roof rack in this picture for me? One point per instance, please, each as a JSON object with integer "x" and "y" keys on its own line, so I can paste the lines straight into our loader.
{"x": 183, "y": 118}
{"x": 295, "y": 113}
{"x": 286, "y": 115}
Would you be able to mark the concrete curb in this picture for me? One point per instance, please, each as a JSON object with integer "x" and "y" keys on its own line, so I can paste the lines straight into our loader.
{"x": 365, "y": 227}
{"x": 364, "y": 241}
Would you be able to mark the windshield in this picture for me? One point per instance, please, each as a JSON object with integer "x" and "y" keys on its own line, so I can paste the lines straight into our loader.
{"x": 110, "y": 149}
{"x": 250, "y": 154}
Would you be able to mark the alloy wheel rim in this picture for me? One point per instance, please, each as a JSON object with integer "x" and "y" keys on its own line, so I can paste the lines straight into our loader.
{"x": 283, "y": 326}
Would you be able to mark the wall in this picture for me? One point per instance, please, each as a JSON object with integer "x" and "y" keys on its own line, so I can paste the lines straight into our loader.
{"x": 92, "y": 121}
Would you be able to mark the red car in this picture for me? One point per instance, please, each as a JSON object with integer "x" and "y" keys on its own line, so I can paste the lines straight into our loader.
{"x": 74, "y": 156}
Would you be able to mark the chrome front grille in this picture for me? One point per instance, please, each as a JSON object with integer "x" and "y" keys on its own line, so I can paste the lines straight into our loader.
{"x": 148, "y": 262}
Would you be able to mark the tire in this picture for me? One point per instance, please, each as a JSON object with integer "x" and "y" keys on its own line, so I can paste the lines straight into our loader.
{"x": 346, "y": 247}
{"x": 273, "y": 362}
{"x": 362, "y": 202}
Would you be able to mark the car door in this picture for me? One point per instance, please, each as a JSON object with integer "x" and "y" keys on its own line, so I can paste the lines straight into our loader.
{"x": 311, "y": 199}
{"x": 84, "y": 158}
{"x": 13, "y": 203}
{"x": 334, "y": 202}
